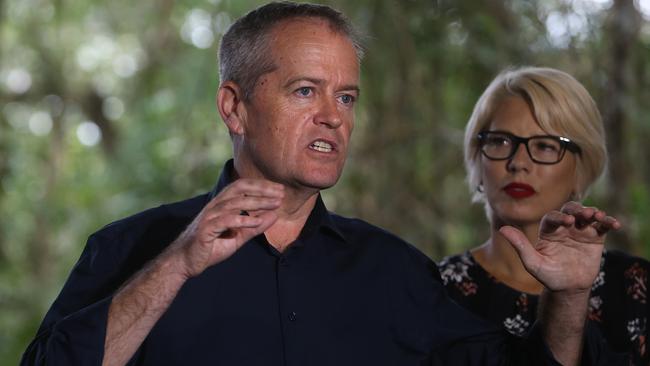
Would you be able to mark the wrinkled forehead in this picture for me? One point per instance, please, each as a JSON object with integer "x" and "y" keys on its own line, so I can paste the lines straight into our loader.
{"x": 302, "y": 42}
{"x": 298, "y": 28}
{"x": 305, "y": 21}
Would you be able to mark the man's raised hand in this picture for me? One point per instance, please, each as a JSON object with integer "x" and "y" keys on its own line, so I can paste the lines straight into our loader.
{"x": 567, "y": 254}
{"x": 242, "y": 210}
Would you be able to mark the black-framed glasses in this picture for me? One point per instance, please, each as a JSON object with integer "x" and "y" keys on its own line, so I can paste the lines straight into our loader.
{"x": 542, "y": 149}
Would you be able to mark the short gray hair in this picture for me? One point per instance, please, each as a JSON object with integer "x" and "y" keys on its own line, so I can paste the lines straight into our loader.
{"x": 244, "y": 51}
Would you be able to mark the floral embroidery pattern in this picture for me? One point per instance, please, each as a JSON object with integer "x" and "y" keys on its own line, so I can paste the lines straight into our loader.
{"x": 517, "y": 325}
{"x": 456, "y": 273}
{"x": 467, "y": 288}
{"x": 638, "y": 277}
{"x": 522, "y": 303}
{"x": 595, "y": 312}
{"x": 621, "y": 284}
{"x": 636, "y": 329}
{"x": 599, "y": 281}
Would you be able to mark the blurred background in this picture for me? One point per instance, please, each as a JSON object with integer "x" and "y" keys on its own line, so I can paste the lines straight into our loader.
{"x": 107, "y": 108}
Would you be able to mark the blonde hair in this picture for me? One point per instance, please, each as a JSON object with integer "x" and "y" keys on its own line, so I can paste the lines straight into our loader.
{"x": 561, "y": 106}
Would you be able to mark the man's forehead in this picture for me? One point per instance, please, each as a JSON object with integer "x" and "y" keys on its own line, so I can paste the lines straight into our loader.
{"x": 287, "y": 29}
{"x": 302, "y": 20}
{"x": 308, "y": 48}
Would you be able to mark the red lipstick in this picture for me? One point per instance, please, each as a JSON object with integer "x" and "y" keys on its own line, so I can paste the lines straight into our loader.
{"x": 519, "y": 190}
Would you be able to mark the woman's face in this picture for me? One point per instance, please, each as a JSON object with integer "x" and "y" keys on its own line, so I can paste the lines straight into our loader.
{"x": 518, "y": 190}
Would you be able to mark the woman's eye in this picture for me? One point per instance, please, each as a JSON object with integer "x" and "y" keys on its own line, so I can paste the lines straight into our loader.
{"x": 497, "y": 141}
{"x": 546, "y": 147}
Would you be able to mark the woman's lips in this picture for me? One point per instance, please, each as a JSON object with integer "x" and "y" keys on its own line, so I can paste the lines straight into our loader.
{"x": 519, "y": 190}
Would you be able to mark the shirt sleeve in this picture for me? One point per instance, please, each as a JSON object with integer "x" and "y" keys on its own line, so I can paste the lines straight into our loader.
{"x": 74, "y": 328}
{"x": 451, "y": 335}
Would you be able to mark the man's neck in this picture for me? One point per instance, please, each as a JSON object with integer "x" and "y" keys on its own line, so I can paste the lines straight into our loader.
{"x": 292, "y": 216}
{"x": 293, "y": 212}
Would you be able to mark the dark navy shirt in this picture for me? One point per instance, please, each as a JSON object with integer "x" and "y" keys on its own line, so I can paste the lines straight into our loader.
{"x": 344, "y": 293}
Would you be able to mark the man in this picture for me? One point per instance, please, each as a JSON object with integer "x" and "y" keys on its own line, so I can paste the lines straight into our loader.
{"x": 259, "y": 273}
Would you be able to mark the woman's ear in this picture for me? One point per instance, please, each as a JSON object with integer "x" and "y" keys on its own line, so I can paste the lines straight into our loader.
{"x": 574, "y": 195}
{"x": 231, "y": 107}
{"x": 578, "y": 189}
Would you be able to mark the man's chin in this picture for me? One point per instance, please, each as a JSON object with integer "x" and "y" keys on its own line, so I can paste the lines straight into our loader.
{"x": 320, "y": 183}
{"x": 320, "y": 177}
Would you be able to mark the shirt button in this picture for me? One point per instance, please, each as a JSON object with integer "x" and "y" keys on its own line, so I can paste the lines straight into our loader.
{"x": 293, "y": 316}
{"x": 284, "y": 262}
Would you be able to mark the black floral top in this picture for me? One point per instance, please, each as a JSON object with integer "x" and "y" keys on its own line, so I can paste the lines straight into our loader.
{"x": 618, "y": 304}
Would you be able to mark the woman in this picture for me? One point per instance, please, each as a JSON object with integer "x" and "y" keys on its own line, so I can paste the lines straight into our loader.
{"x": 535, "y": 140}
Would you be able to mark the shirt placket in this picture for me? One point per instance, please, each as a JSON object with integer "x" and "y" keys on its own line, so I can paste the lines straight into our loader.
{"x": 288, "y": 306}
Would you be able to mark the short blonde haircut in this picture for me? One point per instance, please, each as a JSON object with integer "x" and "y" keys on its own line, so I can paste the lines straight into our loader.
{"x": 561, "y": 106}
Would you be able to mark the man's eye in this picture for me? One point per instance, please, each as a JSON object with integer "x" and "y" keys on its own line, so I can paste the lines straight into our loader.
{"x": 346, "y": 99}
{"x": 304, "y": 91}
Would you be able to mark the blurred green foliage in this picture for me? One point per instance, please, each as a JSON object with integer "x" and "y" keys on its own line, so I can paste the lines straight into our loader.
{"x": 107, "y": 108}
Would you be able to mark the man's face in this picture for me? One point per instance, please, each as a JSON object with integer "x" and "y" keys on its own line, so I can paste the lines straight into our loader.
{"x": 298, "y": 121}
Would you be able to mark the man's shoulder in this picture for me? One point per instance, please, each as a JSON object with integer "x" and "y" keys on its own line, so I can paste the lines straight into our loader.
{"x": 363, "y": 233}
{"x": 397, "y": 258}
{"x": 355, "y": 228}
{"x": 125, "y": 245}
{"x": 160, "y": 218}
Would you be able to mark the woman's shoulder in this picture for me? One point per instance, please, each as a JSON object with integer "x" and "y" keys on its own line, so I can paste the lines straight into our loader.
{"x": 464, "y": 277}
{"x": 621, "y": 265}
{"x": 621, "y": 259}
{"x": 618, "y": 302}
{"x": 464, "y": 257}
{"x": 621, "y": 283}
{"x": 457, "y": 268}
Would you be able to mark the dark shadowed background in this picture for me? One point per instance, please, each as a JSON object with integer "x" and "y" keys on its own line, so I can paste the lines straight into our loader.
{"x": 107, "y": 108}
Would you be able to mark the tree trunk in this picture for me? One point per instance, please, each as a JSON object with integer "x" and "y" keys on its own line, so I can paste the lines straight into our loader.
{"x": 623, "y": 28}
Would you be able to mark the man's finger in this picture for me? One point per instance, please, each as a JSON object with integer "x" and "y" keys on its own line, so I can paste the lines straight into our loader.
{"x": 244, "y": 203}
{"x": 229, "y": 226}
{"x": 555, "y": 219}
{"x": 587, "y": 216}
{"x": 223, "y": 226}
{"x": 572, "y": 208}
{"x": 606, "y": 225}
{"x": 527, "y": 253}
{"x": 613, "y": 222}
{"x": 248, "y": 188}
{"x": 256, "y": 187}
{"x": 609, "y": 221}
{"x": 267, "y": 219}
{"x": 592, "y": 216}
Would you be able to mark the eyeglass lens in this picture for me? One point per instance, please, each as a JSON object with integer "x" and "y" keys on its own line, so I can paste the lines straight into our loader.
{"x": 540, "y": 148}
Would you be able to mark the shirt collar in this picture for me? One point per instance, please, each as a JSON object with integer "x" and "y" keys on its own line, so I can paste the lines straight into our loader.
{"x": 318, "y": 218}
{"x": 225, "y": 178}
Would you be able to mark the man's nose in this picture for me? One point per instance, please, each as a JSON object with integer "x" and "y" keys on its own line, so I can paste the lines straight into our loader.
{"x": 328, "y": 113}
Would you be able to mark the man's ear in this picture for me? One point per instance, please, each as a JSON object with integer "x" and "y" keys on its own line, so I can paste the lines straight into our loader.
{"x": 231, "y": 107}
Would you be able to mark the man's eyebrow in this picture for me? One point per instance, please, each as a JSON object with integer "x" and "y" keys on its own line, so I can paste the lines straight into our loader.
{"x": 316, "y": 81}
{"x": 303, "y": 78}
{"x": 352, "y": 87}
